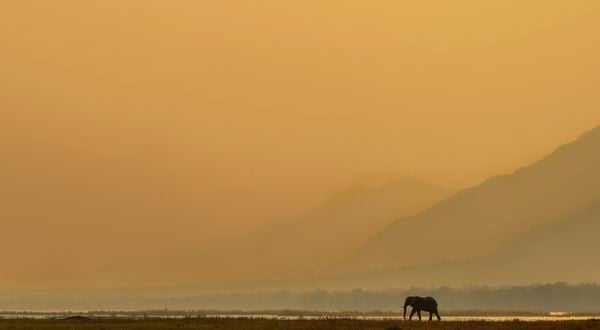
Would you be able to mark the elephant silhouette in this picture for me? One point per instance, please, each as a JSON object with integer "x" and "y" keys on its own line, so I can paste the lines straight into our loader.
{"x": 419, "y": 304}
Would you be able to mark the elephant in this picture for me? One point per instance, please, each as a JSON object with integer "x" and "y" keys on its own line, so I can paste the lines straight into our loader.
{"x": 419, "y": 304}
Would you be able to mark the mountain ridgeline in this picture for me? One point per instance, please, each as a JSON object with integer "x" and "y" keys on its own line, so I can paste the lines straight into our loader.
{"x": 341, "y": 223}
{"x": 532, "y": 217}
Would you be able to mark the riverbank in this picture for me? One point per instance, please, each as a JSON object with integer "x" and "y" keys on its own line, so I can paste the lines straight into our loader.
{"x": 85, "y": 323}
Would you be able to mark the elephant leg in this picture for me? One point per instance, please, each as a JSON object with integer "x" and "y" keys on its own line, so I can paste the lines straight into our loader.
{"x": 412, "y": 312}
{"x": 419, "y": 313}
{"x": 430, "y": 315}
{"x": 438, "y": 315}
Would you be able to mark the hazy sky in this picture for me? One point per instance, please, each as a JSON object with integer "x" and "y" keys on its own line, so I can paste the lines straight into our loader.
{"x": 136, "y": 125}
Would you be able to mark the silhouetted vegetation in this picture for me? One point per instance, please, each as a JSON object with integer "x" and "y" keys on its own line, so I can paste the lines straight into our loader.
{"x": 531, "y": 298}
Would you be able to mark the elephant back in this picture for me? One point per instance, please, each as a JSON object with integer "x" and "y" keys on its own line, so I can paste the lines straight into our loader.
{"x": 432, "y": 301}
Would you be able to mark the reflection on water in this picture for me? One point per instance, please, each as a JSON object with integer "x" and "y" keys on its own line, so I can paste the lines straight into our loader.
{"x": 502, "y": 318}
{"x": 518, "y": 318}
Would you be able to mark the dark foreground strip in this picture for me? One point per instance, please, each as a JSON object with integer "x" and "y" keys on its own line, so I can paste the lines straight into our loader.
{"x": 251, "y": 324}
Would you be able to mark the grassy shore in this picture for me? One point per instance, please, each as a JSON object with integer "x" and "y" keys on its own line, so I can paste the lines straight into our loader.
{"x": 251, "y": 324}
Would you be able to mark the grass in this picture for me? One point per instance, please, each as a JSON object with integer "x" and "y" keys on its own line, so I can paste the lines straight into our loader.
{"x": 251, "y": 324}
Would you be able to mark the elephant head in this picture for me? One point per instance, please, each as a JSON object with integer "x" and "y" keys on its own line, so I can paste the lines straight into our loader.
{"x": 407, "y": 302}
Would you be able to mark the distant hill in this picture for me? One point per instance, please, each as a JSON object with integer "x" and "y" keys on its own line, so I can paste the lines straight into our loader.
{"x": 565, "y": 250}
{"x": 481, "y": 220}
{"x": 339, "y": 225}
{"x": 288, "y": 247}
{"x": 538, "y": 224}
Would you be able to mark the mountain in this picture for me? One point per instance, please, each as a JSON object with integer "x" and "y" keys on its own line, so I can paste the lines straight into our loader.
{"x": 320, "y": 235}
{"x": 564, "y": 250}
{"x": 481, "y": 220}
{"x": 339, "y": 225}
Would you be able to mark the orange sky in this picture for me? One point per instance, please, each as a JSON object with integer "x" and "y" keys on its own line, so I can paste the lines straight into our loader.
{"x": 206, "y": 115}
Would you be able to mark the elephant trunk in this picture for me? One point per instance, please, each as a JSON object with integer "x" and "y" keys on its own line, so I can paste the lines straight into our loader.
{"x": 407, "y": 302}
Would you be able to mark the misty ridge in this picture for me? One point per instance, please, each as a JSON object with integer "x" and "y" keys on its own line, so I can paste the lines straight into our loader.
{"x": 341, "y": 223}
{"x": 480, "y": 247}
{"x": 536, "y": 225}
